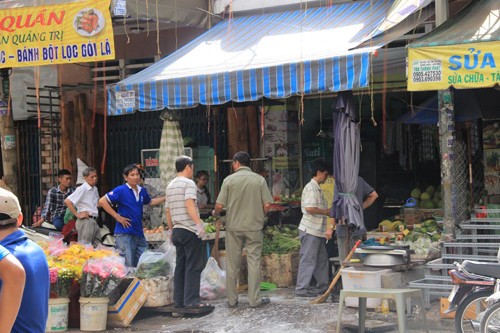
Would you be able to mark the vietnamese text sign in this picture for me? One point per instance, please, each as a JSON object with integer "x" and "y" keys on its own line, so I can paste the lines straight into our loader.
{"x": 56, "y": 34}
{"x": 461, "y": 66}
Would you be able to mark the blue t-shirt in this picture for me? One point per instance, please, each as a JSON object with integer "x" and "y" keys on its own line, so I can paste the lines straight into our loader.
{"x": 129, "y": 207}
{"x": 32, "y": 316}
{"x": 3, "y": 252}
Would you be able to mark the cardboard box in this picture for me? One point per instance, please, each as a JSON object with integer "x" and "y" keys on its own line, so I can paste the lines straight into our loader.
{"x": 132, "y": 297}
{"x": 445, "y": 304}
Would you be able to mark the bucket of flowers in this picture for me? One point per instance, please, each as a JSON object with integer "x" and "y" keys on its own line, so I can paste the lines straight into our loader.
{"x": 100, "y": 277}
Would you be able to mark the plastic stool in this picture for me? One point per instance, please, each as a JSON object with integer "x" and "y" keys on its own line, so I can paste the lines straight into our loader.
{"x": 398, "y": 295}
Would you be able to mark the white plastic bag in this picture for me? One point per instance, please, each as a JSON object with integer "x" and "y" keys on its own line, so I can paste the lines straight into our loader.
{"x": 152, "y": 264}
{"x": 213, "y": 281}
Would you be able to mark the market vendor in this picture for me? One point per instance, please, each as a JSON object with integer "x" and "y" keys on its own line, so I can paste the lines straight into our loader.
{"x": 202, "y": 193}
{"x": 313, "y": 234}
{"x": 130, "y": 197}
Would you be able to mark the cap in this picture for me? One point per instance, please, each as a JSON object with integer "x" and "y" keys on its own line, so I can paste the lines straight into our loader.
{"x": 9, "y": 205}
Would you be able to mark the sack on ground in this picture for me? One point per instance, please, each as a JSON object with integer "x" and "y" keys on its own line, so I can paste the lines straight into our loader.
{"x": 213, "y": 281}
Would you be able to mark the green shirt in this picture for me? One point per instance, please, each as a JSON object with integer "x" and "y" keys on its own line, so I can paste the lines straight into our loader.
{"x": 244, "y": 194}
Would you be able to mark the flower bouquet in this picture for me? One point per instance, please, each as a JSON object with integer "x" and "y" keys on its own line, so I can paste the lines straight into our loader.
{"x": 101, "y": 276}
{"x": 61, "y": 280}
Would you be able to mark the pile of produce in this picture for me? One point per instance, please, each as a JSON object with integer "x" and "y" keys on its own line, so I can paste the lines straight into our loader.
{"x": 430, "y": 198}
{"x": 157, "y": 230}
{"x": 281, "y": 240}
{"x": 210, "y": 227}
{"x": 419, "y": 237}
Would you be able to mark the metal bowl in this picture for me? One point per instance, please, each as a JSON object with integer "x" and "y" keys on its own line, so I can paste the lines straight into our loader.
{"x": 383, "y": 260}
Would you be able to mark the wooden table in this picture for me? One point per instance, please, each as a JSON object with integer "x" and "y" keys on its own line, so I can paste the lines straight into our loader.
{"x": 398, "y": 295}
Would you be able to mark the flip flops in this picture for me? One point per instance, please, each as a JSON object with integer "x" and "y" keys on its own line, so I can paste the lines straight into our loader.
{"x": 199, "y": 306}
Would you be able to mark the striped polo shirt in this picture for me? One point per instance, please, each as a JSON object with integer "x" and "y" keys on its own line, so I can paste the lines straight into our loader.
{"x": 178, "y": 191}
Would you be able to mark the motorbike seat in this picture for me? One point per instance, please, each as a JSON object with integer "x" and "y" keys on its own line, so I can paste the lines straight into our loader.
{"x": 488, "y": 269}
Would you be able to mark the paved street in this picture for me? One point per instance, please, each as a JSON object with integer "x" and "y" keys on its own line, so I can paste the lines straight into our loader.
{"x": 285, "y": 314}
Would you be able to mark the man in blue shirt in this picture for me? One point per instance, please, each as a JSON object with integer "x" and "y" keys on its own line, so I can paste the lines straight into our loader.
{"x": 13, "y": 278}
{"x": 33, "y": 313}
{"x": 129, "y": 198}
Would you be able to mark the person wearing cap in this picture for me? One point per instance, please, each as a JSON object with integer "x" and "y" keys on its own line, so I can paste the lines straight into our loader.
{"x": 33, "y": 312}
{"x": 83, "y": 204}
{"x": 13, "y": 278}
{"x": 54, "y": 209}
{"x": 130, "y": 198}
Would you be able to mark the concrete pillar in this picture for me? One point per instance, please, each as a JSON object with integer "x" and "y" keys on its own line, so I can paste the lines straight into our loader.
{"x": 446, "y": 142}
{"x": 442, "y": 11}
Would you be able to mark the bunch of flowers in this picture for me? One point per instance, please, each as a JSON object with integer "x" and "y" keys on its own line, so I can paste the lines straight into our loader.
{"x": 102, "y": 275}
{"x": 61, "y": 280}
{"x": 73, "y": 257}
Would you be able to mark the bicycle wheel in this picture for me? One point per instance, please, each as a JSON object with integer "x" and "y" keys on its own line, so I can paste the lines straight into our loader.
{"x": 490, "y": 323}
{"x": 468, "y": 311}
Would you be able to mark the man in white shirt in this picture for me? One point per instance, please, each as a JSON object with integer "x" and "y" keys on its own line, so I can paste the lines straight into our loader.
{"x": 83, "y": 204}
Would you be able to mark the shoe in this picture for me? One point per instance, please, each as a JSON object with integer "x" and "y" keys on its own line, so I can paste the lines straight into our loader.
{"x": 319, "y": 290}
{"x": 305, "y": 293}
{"x": 177, "y": 314}
{"x": 263, "y": 301}
{"x": 232, "y": 306}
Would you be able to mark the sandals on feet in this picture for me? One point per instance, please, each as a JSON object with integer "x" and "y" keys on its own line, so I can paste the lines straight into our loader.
{"x": 199, "y": 306}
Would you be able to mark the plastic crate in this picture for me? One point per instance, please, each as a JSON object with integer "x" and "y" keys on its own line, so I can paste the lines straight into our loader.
{"x": 362, "y": 278}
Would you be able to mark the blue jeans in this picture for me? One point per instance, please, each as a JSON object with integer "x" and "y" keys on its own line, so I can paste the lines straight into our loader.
{"x": 58, "y": 222}
{"x": 131, "y": 247}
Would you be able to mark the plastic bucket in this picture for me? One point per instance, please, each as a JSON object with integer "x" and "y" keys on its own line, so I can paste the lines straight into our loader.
{"x": 93, "y": 314}
{"x": 58, "y": 315}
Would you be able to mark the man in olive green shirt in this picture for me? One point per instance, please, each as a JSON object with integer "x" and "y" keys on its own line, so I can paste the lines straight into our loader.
{"x": 247, "y": 198}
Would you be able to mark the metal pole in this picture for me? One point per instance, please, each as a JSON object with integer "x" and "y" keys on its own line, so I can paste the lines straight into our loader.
{"x": 446, "y": 141}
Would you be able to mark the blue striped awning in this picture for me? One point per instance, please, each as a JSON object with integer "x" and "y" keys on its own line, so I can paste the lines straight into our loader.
{"x": 275, "y": 55}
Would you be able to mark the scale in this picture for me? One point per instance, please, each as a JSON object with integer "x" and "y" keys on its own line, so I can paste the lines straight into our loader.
{"x": 384, "y": 255}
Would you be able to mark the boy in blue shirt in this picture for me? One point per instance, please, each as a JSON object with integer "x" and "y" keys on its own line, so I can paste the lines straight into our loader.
{"x": 33, "y": 313}
{"x": 130, "y": 197}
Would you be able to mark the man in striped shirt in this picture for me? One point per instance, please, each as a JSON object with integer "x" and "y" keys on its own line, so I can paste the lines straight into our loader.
{"x": 187, "y": 228}
{"x": 312, "y": 235}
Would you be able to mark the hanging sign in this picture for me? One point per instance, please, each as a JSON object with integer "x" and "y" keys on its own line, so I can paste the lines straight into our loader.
{"x": 56, "y": 34}
{"x": 475, "y": 65}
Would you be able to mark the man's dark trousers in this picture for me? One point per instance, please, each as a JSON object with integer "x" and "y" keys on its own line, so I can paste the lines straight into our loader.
{"x": 188, "y": 267}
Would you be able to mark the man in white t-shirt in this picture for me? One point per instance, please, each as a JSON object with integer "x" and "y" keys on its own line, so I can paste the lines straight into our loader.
{"x": 183, "y": 219}
{"x": 83, "y": 204}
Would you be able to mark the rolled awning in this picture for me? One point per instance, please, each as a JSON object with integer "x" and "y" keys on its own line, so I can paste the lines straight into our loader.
{"x": 462, "y": 52}
{"x": 275, "y": 55}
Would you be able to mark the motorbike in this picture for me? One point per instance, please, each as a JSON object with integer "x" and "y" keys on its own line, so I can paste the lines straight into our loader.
{"x": 490, "y": 321}
{"x": 473, "y": 283}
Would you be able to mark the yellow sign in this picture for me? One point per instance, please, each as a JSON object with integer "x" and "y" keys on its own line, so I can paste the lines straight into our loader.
{"x": 328, "y": 187}
{"x": 475, "y": 65}
{"x": 56, "y": 34}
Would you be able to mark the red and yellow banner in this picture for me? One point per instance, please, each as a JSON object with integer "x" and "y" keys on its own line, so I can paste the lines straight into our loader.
{"x": 475, "y": 65}
{"x": 56, "y": 34}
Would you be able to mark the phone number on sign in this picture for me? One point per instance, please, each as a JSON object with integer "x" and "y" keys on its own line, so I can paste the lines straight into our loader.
{"x": 427, "y": 76}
